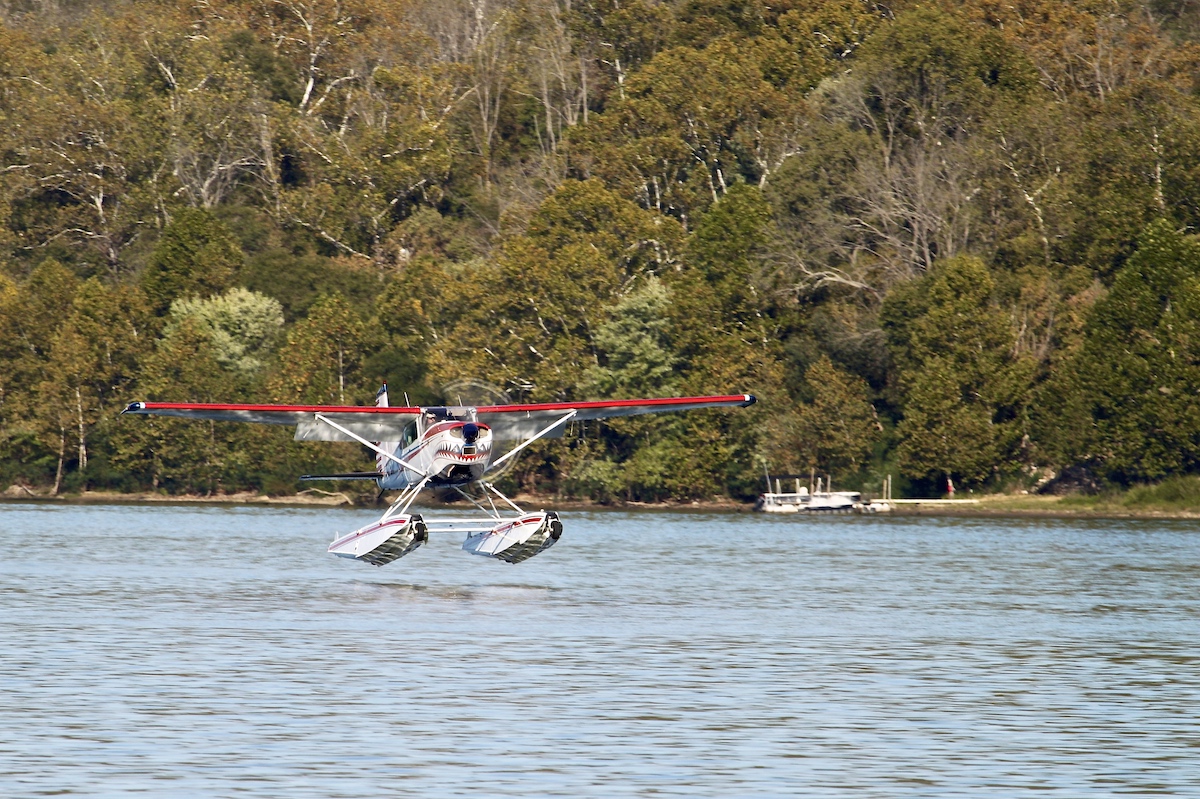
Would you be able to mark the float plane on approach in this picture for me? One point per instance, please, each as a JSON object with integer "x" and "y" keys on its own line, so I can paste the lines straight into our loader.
{"x": 438, "y": 447}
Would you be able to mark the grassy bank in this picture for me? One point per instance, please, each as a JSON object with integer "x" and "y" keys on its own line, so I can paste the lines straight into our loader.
{"x": 1175, "y": 497}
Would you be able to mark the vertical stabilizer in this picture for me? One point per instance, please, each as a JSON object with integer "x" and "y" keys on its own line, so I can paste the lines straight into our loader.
{"x": 381, "y": 463}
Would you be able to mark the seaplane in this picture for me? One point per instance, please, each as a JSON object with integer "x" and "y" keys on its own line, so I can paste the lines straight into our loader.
{"x": 447, "y": 449}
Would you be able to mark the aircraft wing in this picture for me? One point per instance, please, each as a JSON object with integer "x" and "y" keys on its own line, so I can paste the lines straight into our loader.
{"x": 522, "y": 421}
{"x": 372, "y": 423}
{"x": 387, "y": 424}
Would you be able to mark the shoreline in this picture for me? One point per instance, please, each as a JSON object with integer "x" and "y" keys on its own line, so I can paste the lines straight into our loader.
{"x": 990, "y": 506}
{"x": 982, "y": 511}
{"x": 337, "y": 499}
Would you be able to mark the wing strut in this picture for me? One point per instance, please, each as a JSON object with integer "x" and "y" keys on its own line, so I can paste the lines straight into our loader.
{"x": 368, "y": 444}
{"x": 545, "y": 430}
{"x": 496, "y": 491}
{"x": 405, "y": 499}
{"x": 495, "y": 514}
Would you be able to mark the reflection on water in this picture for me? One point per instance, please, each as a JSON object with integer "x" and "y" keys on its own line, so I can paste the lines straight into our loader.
{"x": 220, "y": 652}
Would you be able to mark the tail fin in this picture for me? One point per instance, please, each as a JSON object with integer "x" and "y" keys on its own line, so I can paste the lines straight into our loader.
{"x": 381, "y": 401}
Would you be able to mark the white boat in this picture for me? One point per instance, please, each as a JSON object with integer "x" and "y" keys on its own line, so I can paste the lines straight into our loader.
{"x": 772, "y": 502}
{"x": 804, "y": 501}
{"x": 834, "y": 502}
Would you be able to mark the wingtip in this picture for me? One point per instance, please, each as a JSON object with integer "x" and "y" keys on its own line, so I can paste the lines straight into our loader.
{"x": 750, "y": 400}
{"x": 133, "y": 407}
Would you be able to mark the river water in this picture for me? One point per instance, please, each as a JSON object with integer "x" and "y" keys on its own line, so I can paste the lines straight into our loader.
{"x": 211, "y": 652}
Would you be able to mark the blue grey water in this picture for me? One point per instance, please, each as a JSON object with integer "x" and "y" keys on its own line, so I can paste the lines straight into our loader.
{"x": 210, "y": 652}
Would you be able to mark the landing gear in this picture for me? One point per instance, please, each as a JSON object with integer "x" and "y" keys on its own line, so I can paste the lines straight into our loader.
{"x": 384, "y": 541}
{"x": 512, "y": 539}
{"x": 517, "y": 540}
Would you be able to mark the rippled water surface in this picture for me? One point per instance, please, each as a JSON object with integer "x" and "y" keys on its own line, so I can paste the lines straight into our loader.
{"x": 206, "y": 652}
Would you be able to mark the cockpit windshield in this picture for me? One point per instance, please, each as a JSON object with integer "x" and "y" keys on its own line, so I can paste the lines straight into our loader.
{"x": 449, "y": 413}
{"x": 409, "y": 435}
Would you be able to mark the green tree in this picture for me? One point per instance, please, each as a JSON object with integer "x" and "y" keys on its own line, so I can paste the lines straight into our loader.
{"x": 216, "y": 119}
{"x": 636, "y": 360}
{"x": 10, "y": 344}
{"x": 721, "y": 325}
{"x": 835, "y": 432}
{"x": 298, "y": 279}
{"x": 530, "y": 318}
{"x": 92, "y": 360}
{"x": 196, "y": 256}
{"x": 921, "y": 90}
{"x": 1126, "y": 401}
{"x": 963, "y": 389}
{"x": 700, "y": 22}
{"x": 1140, "y": 162}
{"x": 87, "y": 147}
{"x": 944, "y": 432}
{"x": 379, "y": 156}
{"x": 29, "y": 315}
{"x": 322, "y": 362}
{"x": 723, "y": 332}
{"x": 623, "y": 35}
{"x": 694, "y": 123}
{"x": 832, "y": 30}
{"x": 242, "y": 326}
{"x": 179, "y": 455}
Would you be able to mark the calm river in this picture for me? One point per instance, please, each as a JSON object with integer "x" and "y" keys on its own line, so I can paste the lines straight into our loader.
{"x": 213, "y": 652}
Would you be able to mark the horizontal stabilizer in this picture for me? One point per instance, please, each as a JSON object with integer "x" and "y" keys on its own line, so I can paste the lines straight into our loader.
{"x": 343, "y": 476}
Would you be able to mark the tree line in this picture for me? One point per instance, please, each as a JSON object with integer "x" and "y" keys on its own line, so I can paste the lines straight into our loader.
{"x": 941, "y": 240}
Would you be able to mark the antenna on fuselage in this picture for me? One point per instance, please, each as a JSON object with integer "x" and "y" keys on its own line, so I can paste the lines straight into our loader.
{"x": 407, "y": 404}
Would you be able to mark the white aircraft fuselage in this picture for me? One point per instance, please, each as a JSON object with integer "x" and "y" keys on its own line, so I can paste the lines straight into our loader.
{"x": 446, "y": 445}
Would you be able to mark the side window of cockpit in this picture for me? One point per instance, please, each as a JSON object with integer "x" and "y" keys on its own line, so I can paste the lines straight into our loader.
{"x": 410, "y": 434}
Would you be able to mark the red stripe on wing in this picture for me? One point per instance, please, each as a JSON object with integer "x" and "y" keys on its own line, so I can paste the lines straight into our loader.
{"x": 664, "y": 403}
{"x": 219, "y": 406}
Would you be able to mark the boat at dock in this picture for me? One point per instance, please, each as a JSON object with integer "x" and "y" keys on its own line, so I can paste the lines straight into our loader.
{"x": 804, "y": 500}
{"x": 815, "y": 500}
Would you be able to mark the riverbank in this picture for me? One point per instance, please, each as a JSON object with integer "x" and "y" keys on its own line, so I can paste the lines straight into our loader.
{"x": 310, "y": 497}
{"x": 318, "y": 497}
{"x": 1069, "y": 507}
{"x": 1174, "y": 499}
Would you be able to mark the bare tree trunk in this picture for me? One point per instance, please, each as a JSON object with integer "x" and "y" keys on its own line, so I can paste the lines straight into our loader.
{"x": 62, "y": 455}
{"x": 1159, "y": 197}
{"x": 82, "y": 431}
{"x": 341, "y": 377}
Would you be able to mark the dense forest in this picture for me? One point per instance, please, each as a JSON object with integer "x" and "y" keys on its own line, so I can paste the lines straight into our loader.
{"x": 936, "y": 239}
